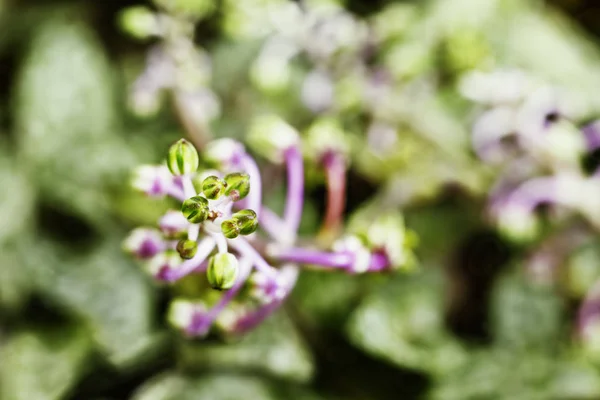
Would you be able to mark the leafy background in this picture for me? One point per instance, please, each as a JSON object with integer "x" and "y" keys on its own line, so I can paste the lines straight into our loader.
{"x": 80, "y": 320}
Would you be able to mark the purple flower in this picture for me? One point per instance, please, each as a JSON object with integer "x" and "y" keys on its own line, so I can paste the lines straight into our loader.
{"x": 217, "y": 222}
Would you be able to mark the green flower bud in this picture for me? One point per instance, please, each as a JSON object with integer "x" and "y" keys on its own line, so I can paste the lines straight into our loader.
{"x": 222, "y": 271}
{"x": 213, "y": 187}
{"x": 139, "y": 21}
{"x": 238, "y": 185}
{"x": 183, "y": 158}
{"x": 195, "y": 209}
{"x": 247, "y": 221}
{"x": 270, "y": 136}
{"x": 326, "y": 135}
{"x": 230, "y": 228}
{"x": 187, "y": 248}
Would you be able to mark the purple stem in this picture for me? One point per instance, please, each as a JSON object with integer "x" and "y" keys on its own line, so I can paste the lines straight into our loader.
{"x": 295, "y": 188}
{"x": 273, "y": 225}
{"x": 246, "y": 250}
{"x": 202, "y": 323}
{"x": 304, "y": 256}
{"x": 250, "y": 321}
{"x": 254, "y": 318}
{"x": 292, "y": 216}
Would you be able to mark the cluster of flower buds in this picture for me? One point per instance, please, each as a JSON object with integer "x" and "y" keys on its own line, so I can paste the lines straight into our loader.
{"x": 527, "y": 132}
{"x": 214, "y": 232}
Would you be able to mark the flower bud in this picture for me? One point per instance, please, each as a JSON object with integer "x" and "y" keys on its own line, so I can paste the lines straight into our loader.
{"x": 195, "y": 209}
{"x": 187, "y": 248}
{"x": 324, "y": 136}
{"x": 247, "y": 221}
{"x": 230, "y": 228}
{"x": 213, "y": 187}
{"x": 267, "y": 289}
{"x": 182, "y": 313}
{"x": 144, "y": 243}
{"x": 222, "y": 153}
{"x": 139, "y": 21}
{"x": 183, "y": 158}
{"x": 389, "y": 233}
{"x": 222, "y": 271}
{"x": 353, "y": 245}
{"x": 173, "y": 225}
{"x": 152, "y": 180}
{"x": 237, "y": 185}
{"x": 271, "y": 136}
{"x": 163, "y": 263}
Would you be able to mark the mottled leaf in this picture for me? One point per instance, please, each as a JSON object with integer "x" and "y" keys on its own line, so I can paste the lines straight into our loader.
{"x": 274, "y": 348}
{"x": 42, "y": 364}
{"x": 403, "y": 323}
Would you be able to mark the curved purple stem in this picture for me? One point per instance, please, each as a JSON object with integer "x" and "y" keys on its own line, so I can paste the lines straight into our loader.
{"x": 246, "y": 250}
{"x": 201, "y": 323}
{"x": 304, "y": 256}
{"x": 295, "y": 188}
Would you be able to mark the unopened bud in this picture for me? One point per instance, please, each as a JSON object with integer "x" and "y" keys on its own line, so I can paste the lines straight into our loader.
{"x": 183, "y": 158}
{"x": 163, "y": 263}
{"x": 195, "y": 209}
{"x": 325, "y": 136}
{"x": 187, "y": 248}
{"x": 222, "y": 152}
{"x": 247, "y": 221}
{"x": 173, "y": 225}
{"x": 139, "y": 21}
{"x": 230, "y": 228}
{"x": 152, "y": 180}
{"x": 144, "y": 243}
{"x": 222, "y": 271}
{"x": 271, "y": 136}
{"x": 213, "y": 187}
{"x": 238, "y": 185}
{"x": 182, "y": 313}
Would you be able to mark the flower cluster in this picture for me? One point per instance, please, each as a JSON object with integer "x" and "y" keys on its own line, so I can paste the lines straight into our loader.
{"x": 245, "y": 250}
{"x": 527, "y": 131}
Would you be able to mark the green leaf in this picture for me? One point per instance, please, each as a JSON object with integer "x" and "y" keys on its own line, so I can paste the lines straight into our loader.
{"x": 526, "y": 315}
{"x": 16, "y": 208}
{"x": 504, "y": 374}
{"x": 15, "y": 280}
{"x": 66, "y": 120}
{"x": 106, "y": 290}
{"x": 326, "y": 298}
{"x": 403, "y": 323}
{"x": 274, "y": 348}
{"x": 176, "y": 386}
{"x": 498, "y": 375}
{"x": 42, "y": 364}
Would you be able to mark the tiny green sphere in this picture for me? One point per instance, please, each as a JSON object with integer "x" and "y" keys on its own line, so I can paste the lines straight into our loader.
{"x": 238, "y": 185}
{"x": 195, "y": 209}
{"x": 213, "y": 187}
{"x": 183, "y": 158}
{"x": 187, "y": 248}
{"x": 222, "y": 271}
{"x": 230, "y": 228}
{"x": 247, "y": 221}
